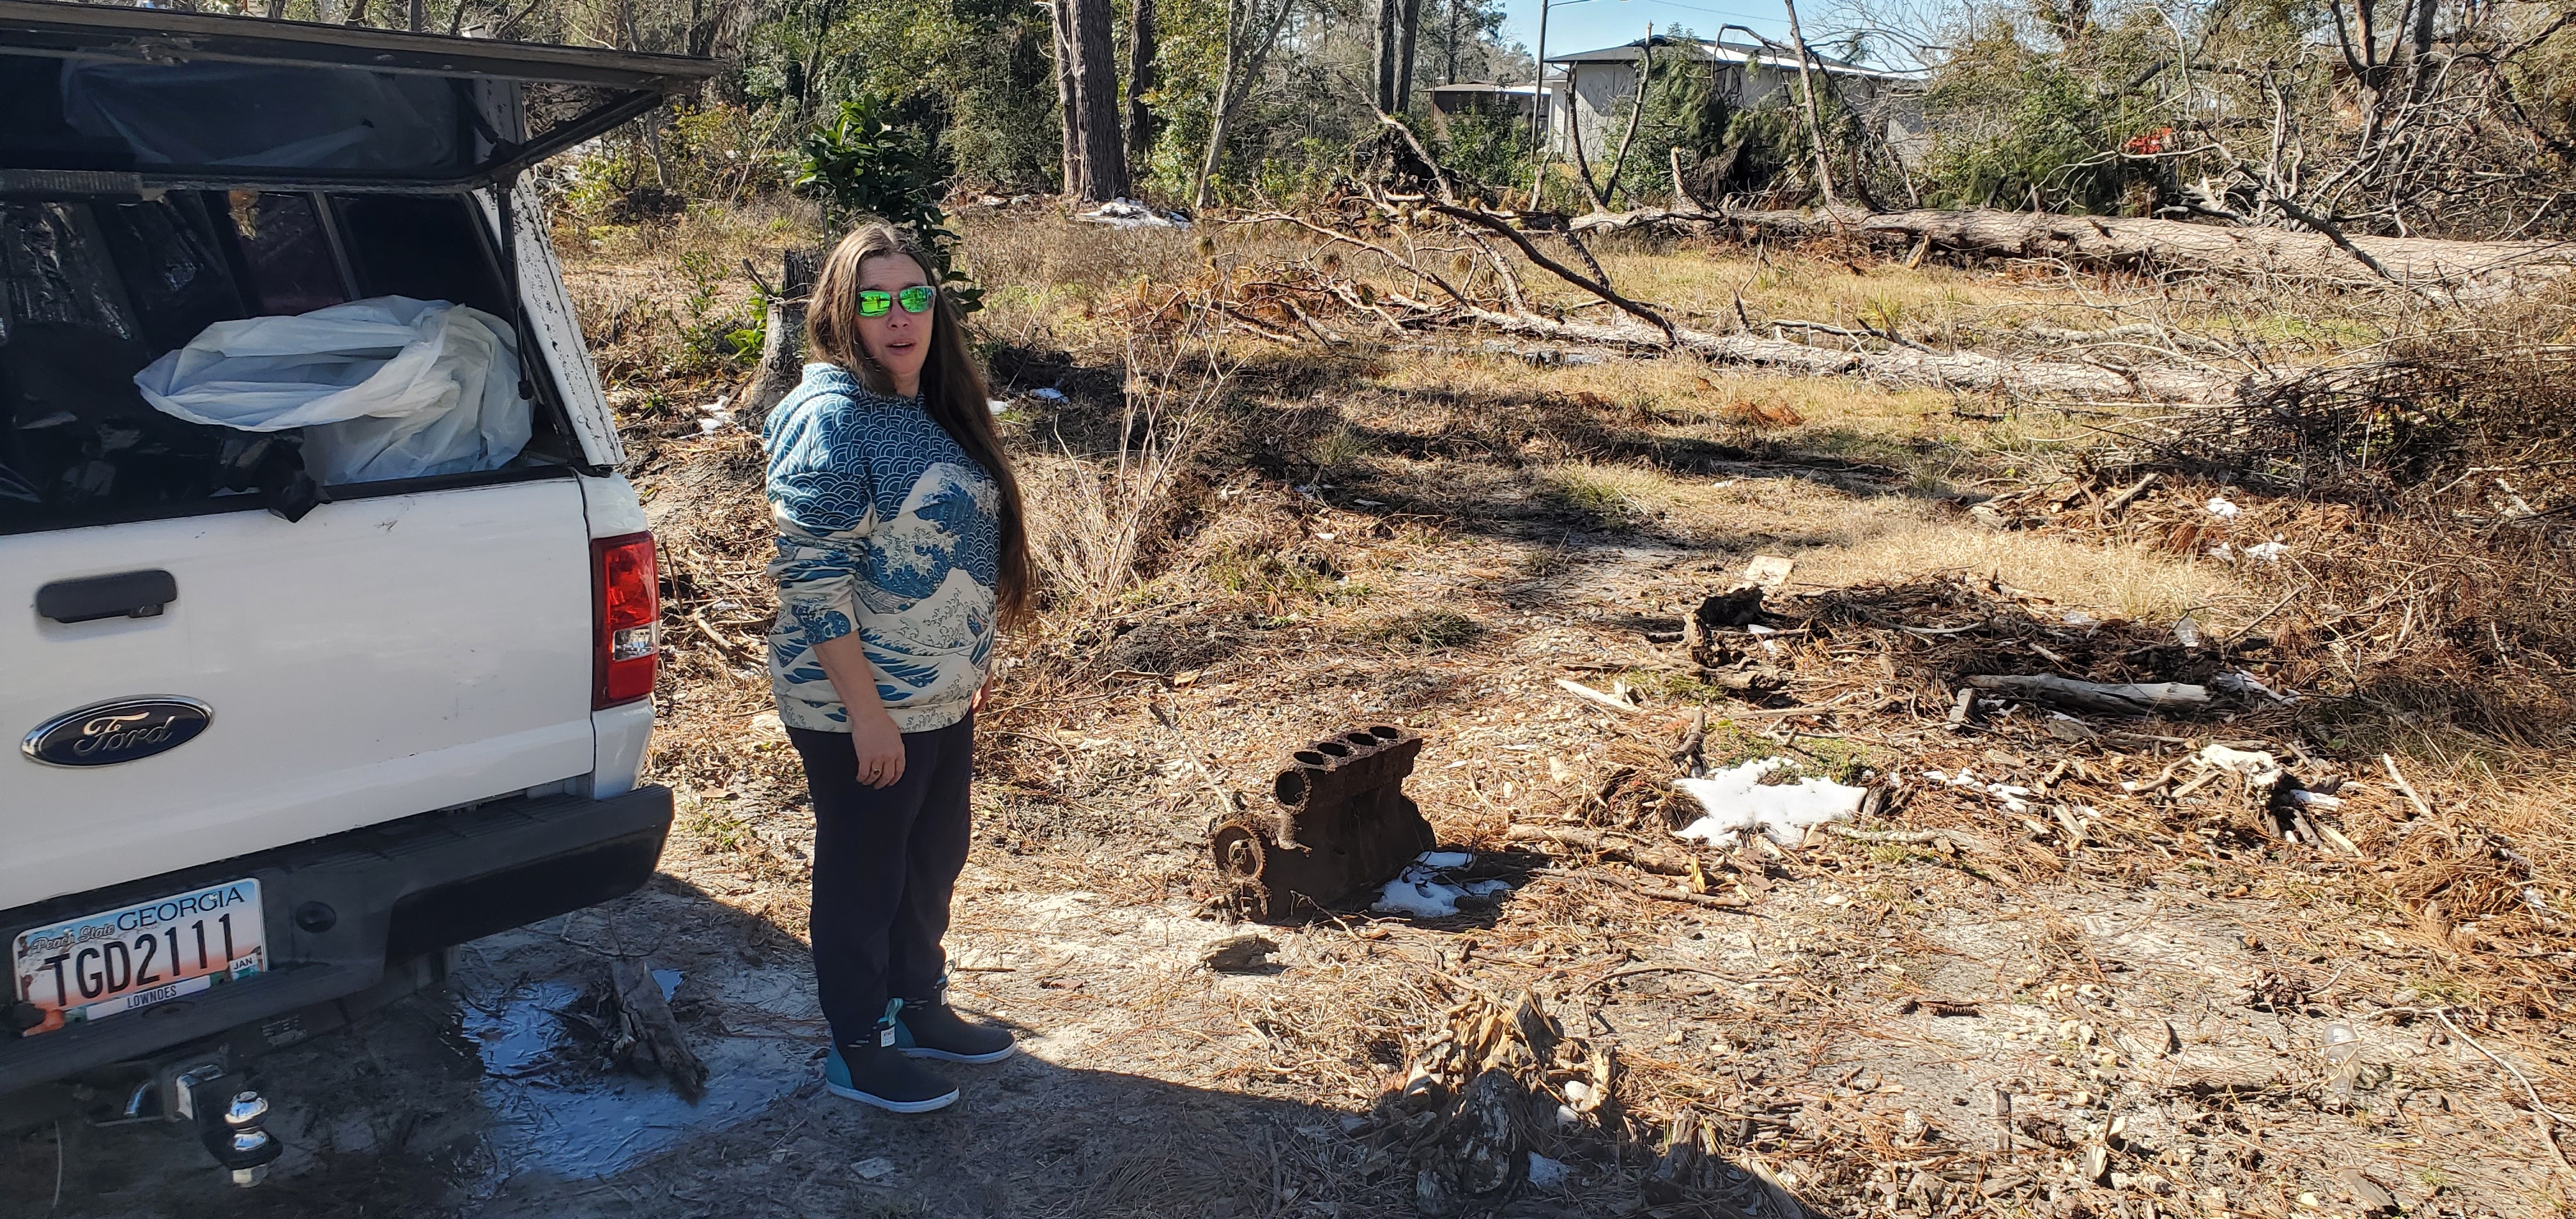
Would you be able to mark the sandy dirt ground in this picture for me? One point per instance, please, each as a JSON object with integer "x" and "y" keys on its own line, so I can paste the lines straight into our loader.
{"x": 2104, "y": 998}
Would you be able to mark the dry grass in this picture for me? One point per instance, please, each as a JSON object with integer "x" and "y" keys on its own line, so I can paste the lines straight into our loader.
{"x": 1431, "y": 537}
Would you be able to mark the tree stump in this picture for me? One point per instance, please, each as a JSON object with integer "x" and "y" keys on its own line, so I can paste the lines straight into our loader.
{"x": 782, "y": 351}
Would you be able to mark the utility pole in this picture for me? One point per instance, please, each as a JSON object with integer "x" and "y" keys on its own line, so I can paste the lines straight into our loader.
{"x": 1538, "y": 110}
{"x": 1538, "y": 99}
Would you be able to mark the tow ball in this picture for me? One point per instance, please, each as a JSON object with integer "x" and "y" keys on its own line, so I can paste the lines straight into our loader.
{"x": 232, "y": 1125}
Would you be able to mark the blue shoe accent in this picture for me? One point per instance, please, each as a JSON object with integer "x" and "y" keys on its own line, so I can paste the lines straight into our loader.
{"x": 884, "y": 1076}
{"x": 894, "y": 1084}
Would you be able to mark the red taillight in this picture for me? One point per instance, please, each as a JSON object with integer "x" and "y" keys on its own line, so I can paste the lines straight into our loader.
{"x": 629, "y": 597}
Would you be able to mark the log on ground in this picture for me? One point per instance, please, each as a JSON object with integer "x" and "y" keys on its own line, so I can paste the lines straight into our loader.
{"x": 2474, "y": 269}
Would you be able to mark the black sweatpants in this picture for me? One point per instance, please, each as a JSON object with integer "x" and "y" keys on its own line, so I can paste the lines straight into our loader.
{"x": 885, "y": 865}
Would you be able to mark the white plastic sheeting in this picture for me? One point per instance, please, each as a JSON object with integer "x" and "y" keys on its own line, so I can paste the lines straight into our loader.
{"x": 1424, "y": 889}
{"x": 384, "y": 388}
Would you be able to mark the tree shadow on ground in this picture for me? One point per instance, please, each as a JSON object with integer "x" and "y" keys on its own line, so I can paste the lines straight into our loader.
{"x": 475, "y": 1100}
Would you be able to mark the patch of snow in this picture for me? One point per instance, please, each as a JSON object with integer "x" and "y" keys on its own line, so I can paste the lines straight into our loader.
{"x": 2222, "y": 509}
{"x": 1488, "y": 887}
{"x": 1047, "y": 394}
{"x": 1545, "y": 1173}
{"x": 1736, "y": 800}
{"x": 2269, "y": 552}
{"x": 999, "y": 406}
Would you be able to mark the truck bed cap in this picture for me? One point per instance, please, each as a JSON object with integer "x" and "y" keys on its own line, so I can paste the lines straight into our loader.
{"x": 571, "y": 93}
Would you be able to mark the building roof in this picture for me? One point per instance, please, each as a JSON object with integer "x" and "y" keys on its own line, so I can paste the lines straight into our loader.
{"x": 1724, "y": 51}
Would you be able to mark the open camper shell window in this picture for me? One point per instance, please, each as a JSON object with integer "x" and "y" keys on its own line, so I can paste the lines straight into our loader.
{"x": 161, "y": 172}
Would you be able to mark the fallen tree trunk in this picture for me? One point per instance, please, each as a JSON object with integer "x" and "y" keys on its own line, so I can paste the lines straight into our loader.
{"x": 1643, "y": 858}
{"x": 2132, "y": 698}
{"x": 1965, "y": 371}
{"x": 2469, "y": 268}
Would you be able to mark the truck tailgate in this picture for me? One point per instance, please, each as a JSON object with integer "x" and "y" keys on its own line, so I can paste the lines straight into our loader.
{"x": 379, "y": 658}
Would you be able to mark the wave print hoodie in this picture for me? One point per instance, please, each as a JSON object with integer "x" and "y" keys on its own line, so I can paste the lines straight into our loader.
{"x": 886, "y": 527}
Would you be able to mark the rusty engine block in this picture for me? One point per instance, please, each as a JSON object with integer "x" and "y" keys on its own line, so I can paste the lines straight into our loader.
{"x": 1344, "y": 825}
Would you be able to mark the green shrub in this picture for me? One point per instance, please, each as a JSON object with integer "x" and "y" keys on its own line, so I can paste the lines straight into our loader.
{"x": 1486, "y": 155}
{"x": 860, "y": 166}
{"x": 710, "y": 334}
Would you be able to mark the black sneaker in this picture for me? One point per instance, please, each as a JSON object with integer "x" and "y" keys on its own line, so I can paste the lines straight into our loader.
{"x": 880, "y": 1076}
{"x": 927, "y": 1028}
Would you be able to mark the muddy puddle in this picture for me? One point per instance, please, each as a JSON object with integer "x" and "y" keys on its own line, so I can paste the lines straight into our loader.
{"x": 553, "y": 1110}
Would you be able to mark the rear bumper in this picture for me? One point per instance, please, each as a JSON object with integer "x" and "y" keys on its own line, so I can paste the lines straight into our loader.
{"x": 393, "y": 891}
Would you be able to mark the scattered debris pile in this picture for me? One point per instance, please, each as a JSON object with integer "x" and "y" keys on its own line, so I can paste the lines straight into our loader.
{"x": 1466, "y": 1116}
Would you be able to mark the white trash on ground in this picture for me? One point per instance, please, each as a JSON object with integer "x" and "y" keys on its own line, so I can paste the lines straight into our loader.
{"x": 2262, "y": 771}
{"x": 1425, "y": 891}
{"x": 384, "y": 388}
{"x": 2247, "y": 686}
{"x": 1129, "y": 214}
{"x": 1736, "y": 800}
{"x": 2009, "y": 793}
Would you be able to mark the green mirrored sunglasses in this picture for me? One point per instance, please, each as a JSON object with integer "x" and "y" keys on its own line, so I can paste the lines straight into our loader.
{"x": 916, "y": 299}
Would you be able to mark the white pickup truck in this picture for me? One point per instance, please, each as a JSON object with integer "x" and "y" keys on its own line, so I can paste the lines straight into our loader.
{"x": 281, "y": 742}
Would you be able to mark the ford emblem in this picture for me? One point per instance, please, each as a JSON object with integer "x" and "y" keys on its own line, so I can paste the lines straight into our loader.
{"x": 126, "y": 730}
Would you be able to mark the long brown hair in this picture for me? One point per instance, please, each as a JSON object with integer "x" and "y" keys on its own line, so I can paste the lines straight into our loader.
{"x": 953, "y": 390}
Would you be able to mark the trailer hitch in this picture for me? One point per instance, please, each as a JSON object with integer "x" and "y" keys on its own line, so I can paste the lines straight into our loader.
{"x": 233, "y": 1128}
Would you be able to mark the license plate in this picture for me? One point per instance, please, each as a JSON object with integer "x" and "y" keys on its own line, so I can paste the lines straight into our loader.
{"x": 104, "y": 964}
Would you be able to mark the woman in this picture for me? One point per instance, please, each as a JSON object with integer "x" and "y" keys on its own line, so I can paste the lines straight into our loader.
{"x": 899, "y": 547}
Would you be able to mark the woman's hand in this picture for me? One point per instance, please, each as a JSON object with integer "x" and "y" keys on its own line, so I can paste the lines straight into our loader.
{"x": 878, "y": 744}
{"x": 983, "y": 694}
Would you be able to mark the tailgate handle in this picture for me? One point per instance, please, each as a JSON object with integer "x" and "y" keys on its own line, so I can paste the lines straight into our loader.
{"x": 130, "y": 594}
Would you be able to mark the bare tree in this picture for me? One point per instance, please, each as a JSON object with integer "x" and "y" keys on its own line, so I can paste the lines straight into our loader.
{"x": 1068, "y": 96}
{"x": 1140, "y": 78}
{"x": 1382, "y": 49}
{"x": 1412, "y": 26}
{"x": 1095, "y": 89}
{"x": 1252, "y": 29}
{"x": 1807, "y": 104}
{"x": 1450, "y": 75}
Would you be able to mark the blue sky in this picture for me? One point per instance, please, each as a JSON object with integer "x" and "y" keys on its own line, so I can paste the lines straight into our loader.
{"x": 1600, "y": 23}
